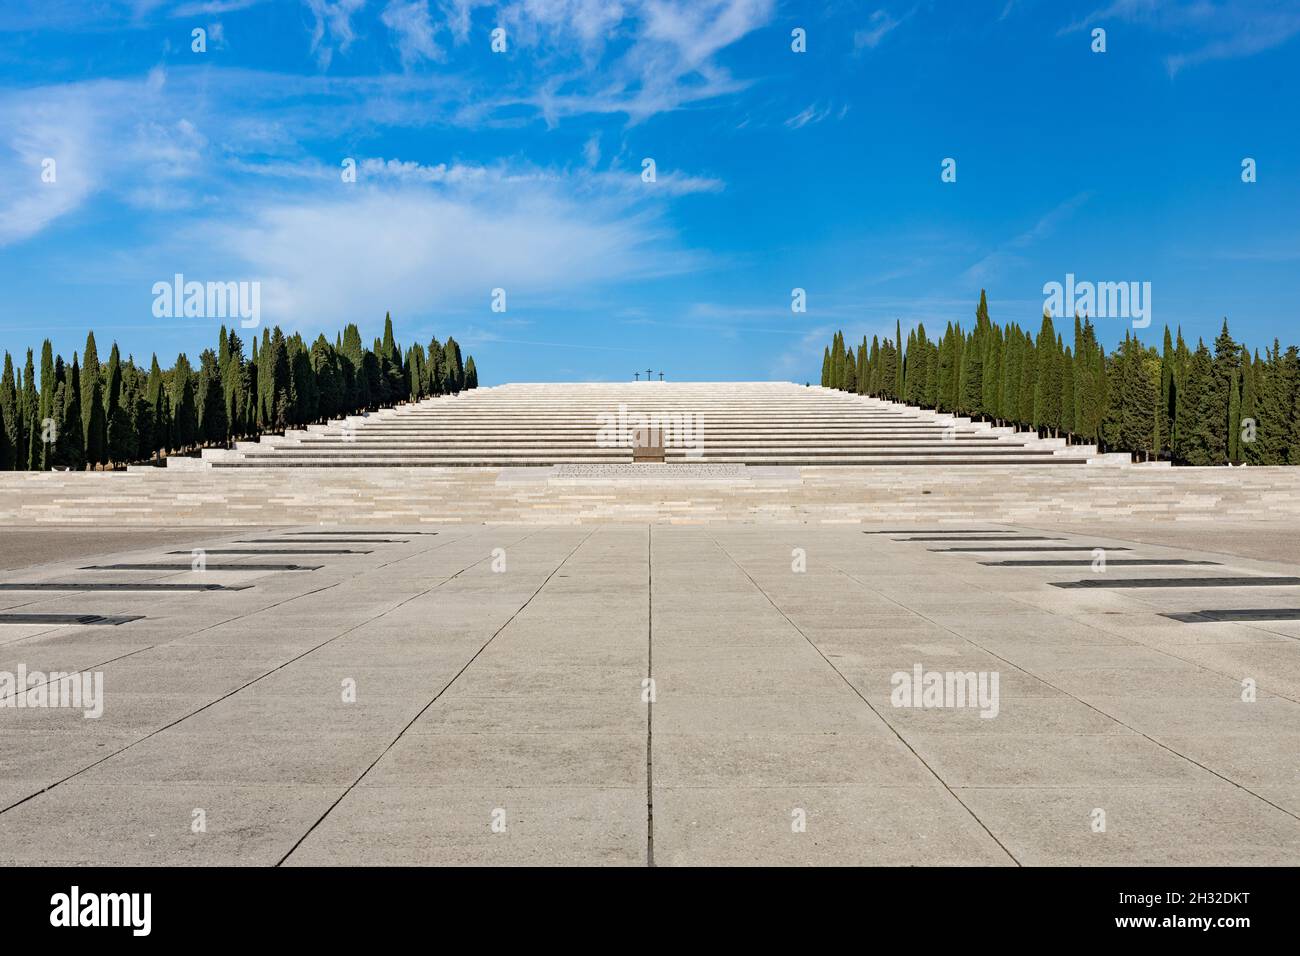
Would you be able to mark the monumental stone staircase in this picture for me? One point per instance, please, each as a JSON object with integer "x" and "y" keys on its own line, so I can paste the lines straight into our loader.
{"x": 745, "y": 423}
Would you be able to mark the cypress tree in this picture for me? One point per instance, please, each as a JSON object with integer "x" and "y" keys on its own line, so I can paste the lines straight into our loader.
{"x": 1137, "y": 398}
{"x": 1010, "y": 399}
{"x": 455, "y": 366}
{"x": 900, "y": 371}
{"x": 71, "y": 438}
{"x": 1247, "y": 438}
{"x": 1065, "y": 370}
{"x": 837, "y": 362}
{"x": 971, "y": 375}
{"x": 1168, "y": 392}
{"x": 32, "y": 429}
{"x": 159, "y": 409}
{"x": 932, "y": 376}
{"x": 184, "y": 419}
{"x": 1047, "y": 386}
{"x": 49, "y": 412}
{"x": 1028, "y": 379}
{"x": 944, "y": 373}
{"x": 1196, "y": 422}
{"x": 1234, "y": 417}
{"x": 992, "y": 385}
{"x": 826, "y": 367}
{"x": 94, "y": 425}
{"x": 471, "y": 373}
{"x": 438, "y": 369}
{"x": 10, "y": 429}
{"x": 1226, "y": 356}
{"x": 850, "y": 372}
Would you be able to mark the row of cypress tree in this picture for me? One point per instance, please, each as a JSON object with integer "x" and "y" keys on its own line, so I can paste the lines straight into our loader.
{"x": 1203, "y": 406}
{"x": 88, "y": 414}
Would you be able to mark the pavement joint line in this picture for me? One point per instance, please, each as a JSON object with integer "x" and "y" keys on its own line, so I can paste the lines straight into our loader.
{"x": 1100, "y": 626}
{"x": 201, "y": 630}
{"x": 153, "y": 733}
{"x": 211, "y": 703}
{"x": 862, "y": 697}
{"x": 1164, "y": 547}
{"x": 1094, "y": 708}
{"x": 435, "y": 547}
{"x": 423, "y": 710}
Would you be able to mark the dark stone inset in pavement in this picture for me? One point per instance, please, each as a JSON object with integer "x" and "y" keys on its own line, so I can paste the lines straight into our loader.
{"x": 375, "y": 531}
{"x": 1064, "y": 547}
{"x": 69, "y": 618}
{"x": 945, "y": 531}
{"x": 129, "y": 586}
{"x": 272, "y": 551}
{"x": 1028, "y": 537}
{"x": 209, "y": 567}
{"x": 1084, "y": 562}
{"x": 1237, "y": 614}
{"x": 1241, "y": 582}
{"x": 323, "y": 541}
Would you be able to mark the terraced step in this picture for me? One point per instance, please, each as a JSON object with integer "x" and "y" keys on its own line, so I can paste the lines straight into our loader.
{"x": 767, "y": 423}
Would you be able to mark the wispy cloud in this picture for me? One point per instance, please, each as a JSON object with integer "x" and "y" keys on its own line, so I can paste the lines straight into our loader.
{"x": 812, "y": 114}
{"x": 879, "y": 25}
{"x": 413, "y": 31}
{"x": 1226, "y": 30}
{"x": 332, "y": 28}
{"x": 1009, "y": 252}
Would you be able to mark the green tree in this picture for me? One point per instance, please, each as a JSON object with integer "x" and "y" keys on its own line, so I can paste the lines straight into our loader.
{"x": 1197, "y": 422}
{"x": 10, "y": 427}
{"x": 32, "y": 409}
{"x": 455, "y": 365}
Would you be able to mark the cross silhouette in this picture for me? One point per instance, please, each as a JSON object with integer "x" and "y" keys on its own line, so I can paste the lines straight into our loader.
{"x": 638, "y": 376}
{"x": 648, "y": 373}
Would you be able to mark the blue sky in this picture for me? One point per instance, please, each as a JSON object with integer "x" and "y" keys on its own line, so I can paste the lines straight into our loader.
{"x": 522, "y": 171}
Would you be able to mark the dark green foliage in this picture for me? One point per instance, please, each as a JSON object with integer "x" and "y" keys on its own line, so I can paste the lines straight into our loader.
{"x": 1197, "y": 416}
{"x": 32, "y": 413}
{"x": 454, "y": 366}
{"x": 10, "y": 422}
{"x": 88, "y": 415}
{"x": 1196, "y": 407}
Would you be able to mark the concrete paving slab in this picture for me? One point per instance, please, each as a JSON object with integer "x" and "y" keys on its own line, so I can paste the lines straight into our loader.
{"x": 521, "y": 690}
{"x": 841, "y": 826}
{"x": 1145, "y": 826}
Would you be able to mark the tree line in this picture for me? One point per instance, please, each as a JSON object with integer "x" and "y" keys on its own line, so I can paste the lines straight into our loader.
{"x": 1203, "y": 406}
{"x": 90, "y": 414}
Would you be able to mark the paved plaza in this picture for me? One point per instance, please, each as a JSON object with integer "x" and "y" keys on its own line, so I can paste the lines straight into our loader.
{"x": 633, "y": 693}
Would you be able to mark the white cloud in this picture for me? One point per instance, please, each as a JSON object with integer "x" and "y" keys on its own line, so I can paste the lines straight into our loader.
{"x": 812, "y": 114}
{"x": 413, "y": 30}
{"x": 878, "y": 26}
{"x": 1228, "y": 30}
{"x": 406, "y": 248}
{"x": 110, "y": 134}
{"x": 59, "y": 129}
{"x": 332, "y": 28}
